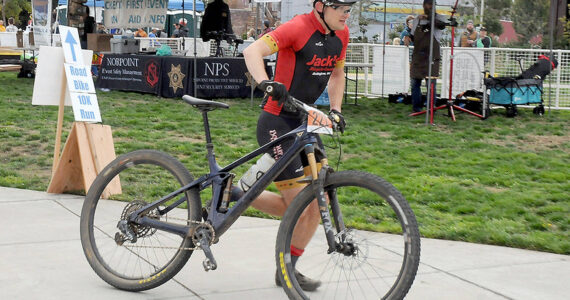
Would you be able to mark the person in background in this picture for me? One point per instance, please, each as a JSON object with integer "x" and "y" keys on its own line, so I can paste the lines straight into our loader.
{"x": 101, "y": 29}
{"x": 266, "y": 30}
{"x": 421, "y": 35}
{"x": 483, "y": 41}
{"x": 217, "y": 18}
{"x": 154, "y": 34}
{"x": 407, "y": 30}
{"x": 251, "y": 34}
{"x": 88, "y": 27}
{"x": 11, "y": 27}
{"x": 469, "y": 36}
{"x": 183, "y": 28}
{"x": 2, "y": 27}
{"x": 141, "y": 33}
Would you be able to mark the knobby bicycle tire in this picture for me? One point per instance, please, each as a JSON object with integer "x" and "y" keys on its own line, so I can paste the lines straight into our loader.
{"x": 156, "y": 256}
{"x": 386, "y": 209}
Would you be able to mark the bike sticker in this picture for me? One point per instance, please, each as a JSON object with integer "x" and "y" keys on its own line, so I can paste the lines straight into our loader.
{"x": 284, "y": 271}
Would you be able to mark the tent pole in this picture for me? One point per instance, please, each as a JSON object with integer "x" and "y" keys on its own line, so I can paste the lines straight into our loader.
{"x": 553, "y": 15}
{"x": 195, "y": 21}
{"x": 383, "y": 49}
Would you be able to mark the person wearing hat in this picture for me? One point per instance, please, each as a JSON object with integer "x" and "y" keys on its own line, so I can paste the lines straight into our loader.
{"x": 483, "y": 41}
{"x": 266, "y": 30}
{"x": 311, "y": 54}
{"x": 469, "y": 36}
{"x": 216, "y": 19}
{"x": 420, "y": 34}
{"x": 407, "y": 30}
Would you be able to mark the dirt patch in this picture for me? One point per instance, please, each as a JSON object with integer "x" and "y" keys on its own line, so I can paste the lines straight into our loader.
{"x": 533, "y": 142}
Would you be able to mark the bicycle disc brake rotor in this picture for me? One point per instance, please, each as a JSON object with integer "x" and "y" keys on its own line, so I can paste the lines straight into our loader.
{"x": 359, "y": 246}
{"x": 139, "y": 230}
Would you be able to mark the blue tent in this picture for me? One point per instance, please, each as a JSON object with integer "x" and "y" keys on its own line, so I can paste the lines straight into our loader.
{"x": 188, "y": 5}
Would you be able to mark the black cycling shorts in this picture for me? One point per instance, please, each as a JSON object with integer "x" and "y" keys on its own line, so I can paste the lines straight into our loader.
{"x": 269, "y": 128}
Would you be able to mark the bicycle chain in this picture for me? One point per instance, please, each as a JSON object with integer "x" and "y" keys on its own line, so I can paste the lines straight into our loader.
{"x": 179, "y": 248}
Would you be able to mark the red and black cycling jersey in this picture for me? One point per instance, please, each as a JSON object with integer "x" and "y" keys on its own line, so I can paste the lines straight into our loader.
{"x": 307, "y": 56}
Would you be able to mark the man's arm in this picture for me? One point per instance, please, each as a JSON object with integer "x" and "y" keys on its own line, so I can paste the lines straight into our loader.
{"x": 336, "y": 88}
{"x": 254, "y": 59}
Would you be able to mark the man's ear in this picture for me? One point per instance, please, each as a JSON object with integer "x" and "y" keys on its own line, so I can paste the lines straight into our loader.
{"x": 319, "y": 6}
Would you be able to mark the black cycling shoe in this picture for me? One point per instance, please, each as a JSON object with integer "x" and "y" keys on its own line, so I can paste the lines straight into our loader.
{"x": 306, "y": 283}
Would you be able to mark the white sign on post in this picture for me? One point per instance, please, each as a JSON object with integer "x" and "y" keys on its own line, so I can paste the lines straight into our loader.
{"x": 71, "y": 45}
{"x": 85, "y": 107}
{"x": 79, "y": 78}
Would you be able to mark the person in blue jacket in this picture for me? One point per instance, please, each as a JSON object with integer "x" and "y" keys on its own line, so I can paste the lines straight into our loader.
{"x": 407, "y": 30}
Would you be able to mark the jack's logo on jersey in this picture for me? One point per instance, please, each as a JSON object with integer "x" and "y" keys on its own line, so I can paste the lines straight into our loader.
{"x": 328, "y": 61}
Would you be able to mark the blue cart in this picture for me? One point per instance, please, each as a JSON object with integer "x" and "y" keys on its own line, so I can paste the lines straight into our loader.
{"x": 510, "y": 92}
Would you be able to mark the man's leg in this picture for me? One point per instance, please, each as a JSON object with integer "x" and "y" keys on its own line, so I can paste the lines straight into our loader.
{"x": 272, "y": 203}
{"x": 417, "y": 104}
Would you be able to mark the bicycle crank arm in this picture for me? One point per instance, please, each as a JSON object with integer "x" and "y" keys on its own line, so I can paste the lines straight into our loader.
{"x": 210, "y": 262}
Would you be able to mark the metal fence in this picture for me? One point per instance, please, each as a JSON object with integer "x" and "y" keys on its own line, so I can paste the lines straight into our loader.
{"x": 498, "y": 61}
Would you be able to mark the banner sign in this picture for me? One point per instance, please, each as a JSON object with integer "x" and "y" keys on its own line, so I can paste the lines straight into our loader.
{"x": 85, "y": 107}
{"x": 126, "y": 72}
{"x": 224, "y": 78}
{"x": 135, "y": 13}
{"x": 397, "y": 67}
{"x": 41, "y": 22}
{"x": 468, "y": 67}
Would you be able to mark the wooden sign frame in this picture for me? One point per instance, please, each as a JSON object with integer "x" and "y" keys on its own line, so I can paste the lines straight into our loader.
{"x": 88, "y": 149}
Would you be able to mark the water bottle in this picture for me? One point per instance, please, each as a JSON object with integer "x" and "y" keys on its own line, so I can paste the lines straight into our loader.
{"x": 255, "y": 172}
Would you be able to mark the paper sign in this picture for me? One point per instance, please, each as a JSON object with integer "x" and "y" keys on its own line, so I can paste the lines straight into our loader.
{"x": 50, "y": 76}
{"x": 71, "y": 44}
{"x": 85, "y": 107}
{"x": 79, "y": 79}
{"x": 135, "y": 14}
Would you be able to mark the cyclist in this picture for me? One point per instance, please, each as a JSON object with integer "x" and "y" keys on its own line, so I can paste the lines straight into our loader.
{"x": 312, "y": 50}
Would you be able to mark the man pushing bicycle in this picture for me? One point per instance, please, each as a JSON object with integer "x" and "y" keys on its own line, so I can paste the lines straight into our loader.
{"x": 312, "y": 51}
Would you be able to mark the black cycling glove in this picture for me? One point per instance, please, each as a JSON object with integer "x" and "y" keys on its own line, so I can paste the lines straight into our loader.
{"x": 277, "y": 90}
{"x": 338, "y": 119}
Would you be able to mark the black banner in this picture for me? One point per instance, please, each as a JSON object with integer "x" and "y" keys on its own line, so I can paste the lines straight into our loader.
{"x": 218, "y": 77}
{"x": 176, "y": 77}
{"x": 126, "y": 72}
{"x": 171, "y": 77}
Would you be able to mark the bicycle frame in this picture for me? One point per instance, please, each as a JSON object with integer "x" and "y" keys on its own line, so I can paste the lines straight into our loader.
{"x": 216, "y": 177}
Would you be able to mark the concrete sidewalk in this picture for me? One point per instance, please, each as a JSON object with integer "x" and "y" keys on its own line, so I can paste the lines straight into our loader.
{"x": 41, "y": 258}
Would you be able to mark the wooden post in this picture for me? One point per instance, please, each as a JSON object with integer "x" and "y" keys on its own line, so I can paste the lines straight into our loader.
{"x": 59, "y": 125}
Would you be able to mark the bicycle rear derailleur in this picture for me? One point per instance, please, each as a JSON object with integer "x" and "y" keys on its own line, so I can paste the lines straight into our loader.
{"x": 203, "y": 235}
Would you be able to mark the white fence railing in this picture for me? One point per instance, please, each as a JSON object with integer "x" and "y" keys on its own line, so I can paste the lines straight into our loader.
{"x": 498, "y": 61}
{"x": 360, "y": 58}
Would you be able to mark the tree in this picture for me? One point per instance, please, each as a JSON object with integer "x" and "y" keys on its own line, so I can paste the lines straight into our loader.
{"x": 12, "y": 8}
{"x": 493, "y": 12}
{"x": 530, "y": 17}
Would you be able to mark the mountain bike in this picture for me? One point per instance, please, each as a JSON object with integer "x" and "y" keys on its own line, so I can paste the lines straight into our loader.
{"x": 145, "y": 238}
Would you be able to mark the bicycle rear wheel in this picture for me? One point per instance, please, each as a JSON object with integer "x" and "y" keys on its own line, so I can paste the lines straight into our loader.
{"x": 155, "y": 256}
{"x": 380, "y": 265}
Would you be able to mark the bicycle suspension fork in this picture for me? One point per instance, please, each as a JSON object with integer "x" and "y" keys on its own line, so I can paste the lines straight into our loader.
{"x": 318, "y": 182}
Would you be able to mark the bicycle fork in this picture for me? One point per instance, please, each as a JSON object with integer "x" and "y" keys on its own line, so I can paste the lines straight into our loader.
{"x": 318, "y": 180}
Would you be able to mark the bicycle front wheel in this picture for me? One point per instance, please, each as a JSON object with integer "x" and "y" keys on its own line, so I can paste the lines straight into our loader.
{"x": 373, "y": 265}
{"x": 153, "y": 256}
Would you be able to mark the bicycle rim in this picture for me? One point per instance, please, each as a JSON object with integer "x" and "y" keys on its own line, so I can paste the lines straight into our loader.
{"x": 382, "y": 264}
{"x": 156, "y": 255}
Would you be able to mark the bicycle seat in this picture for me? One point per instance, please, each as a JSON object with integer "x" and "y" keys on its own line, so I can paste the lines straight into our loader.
{"x": 203, "y": 105}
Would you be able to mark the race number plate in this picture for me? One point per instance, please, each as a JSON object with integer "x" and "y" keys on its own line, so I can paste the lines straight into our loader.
{"x": 318, "y": 122}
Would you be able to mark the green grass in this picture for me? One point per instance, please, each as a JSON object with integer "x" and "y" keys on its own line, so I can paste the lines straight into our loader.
{"x": 500, "y": 181}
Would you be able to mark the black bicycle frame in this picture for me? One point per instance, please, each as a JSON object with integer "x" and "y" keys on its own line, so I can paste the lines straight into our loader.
{"x": 222, "y": 221}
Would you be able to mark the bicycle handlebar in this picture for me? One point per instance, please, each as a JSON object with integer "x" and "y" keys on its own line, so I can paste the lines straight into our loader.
{"x": 292, "y": 102}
